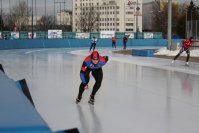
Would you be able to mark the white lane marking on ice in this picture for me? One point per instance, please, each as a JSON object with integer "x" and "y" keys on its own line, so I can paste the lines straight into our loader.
{"x": 28, "y": 52}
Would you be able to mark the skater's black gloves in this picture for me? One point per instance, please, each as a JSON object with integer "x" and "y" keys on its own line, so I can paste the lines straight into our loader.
{"x": 106, "y": 58}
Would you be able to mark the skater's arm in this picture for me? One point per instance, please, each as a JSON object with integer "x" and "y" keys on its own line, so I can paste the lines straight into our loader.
{"x": 82, "y": 73}
{"x": 106, "y": 58}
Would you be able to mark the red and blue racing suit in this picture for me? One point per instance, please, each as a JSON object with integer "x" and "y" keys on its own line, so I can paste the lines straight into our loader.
{"x": 95, "y": 69}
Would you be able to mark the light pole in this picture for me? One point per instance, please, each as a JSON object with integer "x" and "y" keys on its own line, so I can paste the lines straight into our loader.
{"x": 60, "y": 11}
{"x": 169, "y": 30}
{"x": 54, "y": 13}
{"x": 137, "y": 21}
{"x": 186, "y": 24}
{"x": 32, "y": 21}
{"x": 45, "y": 16}
{"x": 36, "y": 14}
{"x": 1, "y": 18}
{"x": 151, "y": 21}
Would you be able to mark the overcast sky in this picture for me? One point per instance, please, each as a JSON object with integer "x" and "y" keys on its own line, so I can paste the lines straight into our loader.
{"x": 40, "y": 4}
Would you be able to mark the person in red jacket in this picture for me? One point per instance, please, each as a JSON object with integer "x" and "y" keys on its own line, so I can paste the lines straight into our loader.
{"x": 113, "y": 42}
{"x": 186, "y": 44}
{"x": 91, "y": 64}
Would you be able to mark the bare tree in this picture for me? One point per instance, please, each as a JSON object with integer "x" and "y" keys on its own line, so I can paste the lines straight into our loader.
{"x": 160, "y": 16}
{"x": 19, "y": 15}
{"x": 88, "y": 19}
{"x": 46, "y": 22}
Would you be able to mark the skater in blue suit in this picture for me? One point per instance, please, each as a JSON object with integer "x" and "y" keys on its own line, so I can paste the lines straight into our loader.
{"x": 91, "y": 64}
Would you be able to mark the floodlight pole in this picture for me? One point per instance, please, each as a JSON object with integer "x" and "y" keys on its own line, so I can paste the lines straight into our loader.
{"x": 1, "y": 18}
{"x": 169, "y": 32}
{"x": 32, "y": 21}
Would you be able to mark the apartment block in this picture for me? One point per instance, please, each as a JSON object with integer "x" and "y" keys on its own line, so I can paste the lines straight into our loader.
{"x": 114, "y": 15}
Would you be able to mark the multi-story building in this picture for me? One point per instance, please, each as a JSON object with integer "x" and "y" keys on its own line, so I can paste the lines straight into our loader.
{"x": 64, "y": 17}
{"x": 148, "y": 13}
{"x": 114, "y": 15}
{"x": 147, "y": 16}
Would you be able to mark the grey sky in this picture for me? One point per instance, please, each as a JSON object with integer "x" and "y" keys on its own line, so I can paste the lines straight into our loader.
{"x": 40, "y": 5}
{"x": 40, "y": 10}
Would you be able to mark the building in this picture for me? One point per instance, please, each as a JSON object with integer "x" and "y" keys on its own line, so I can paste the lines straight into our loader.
{"x": 148, "y": 13}
{"x": 64, "y": 17}
{"x": 147, "y": 16}
{"x": 114, "y": 15}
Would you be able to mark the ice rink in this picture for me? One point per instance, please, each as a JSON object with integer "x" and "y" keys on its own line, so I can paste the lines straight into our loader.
{"x": 138, "y": 94}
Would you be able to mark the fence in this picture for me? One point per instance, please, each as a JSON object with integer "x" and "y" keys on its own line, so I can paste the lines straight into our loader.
{"x": 7, "y": 35}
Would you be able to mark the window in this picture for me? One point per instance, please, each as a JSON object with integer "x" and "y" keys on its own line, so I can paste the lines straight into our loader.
{"x": 129, "y": 29}
{"x": 129, "y": 24}
{"x": 129, "y": 12}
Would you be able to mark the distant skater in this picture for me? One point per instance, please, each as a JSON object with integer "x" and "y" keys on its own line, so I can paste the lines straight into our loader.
{"x": 186, "y": 44}
{"x": 91, "y": 64}
{"x": 125, "y": 40}
{"x": 93, "y": 43}
{"x": 113, "y": 42}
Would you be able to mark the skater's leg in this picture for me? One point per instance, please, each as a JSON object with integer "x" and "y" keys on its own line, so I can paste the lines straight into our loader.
{"x": 98, "y": 75}
{"x": 181, "y": 50}
{"x": 91, "y": 46}
{"x": 94, "y": 46}
{"x": 81, "y": 87}
{"x": 125, "y": 45}
{"x": 188, "y": 55}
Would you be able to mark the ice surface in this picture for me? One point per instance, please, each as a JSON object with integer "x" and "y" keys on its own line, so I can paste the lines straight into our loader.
{"x": 138, "y": 94}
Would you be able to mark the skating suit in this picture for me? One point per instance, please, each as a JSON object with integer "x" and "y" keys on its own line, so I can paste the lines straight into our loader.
{"x": 88, "y": 66}
{"x": 186, "y": 43}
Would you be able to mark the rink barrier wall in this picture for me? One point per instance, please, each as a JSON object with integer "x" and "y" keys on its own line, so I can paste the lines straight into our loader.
{"x": 22, "y": 85}
{"x": 17, "y": 113}
{"x": 72, "y": 43}
{"x": 140, "y": 52}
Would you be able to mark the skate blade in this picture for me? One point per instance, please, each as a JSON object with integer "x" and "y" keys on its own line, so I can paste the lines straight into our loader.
{"x": 90, "y": 102}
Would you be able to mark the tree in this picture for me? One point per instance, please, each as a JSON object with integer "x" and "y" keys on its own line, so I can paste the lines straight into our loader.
{"x": 19, "y": 16}
{"x": 160, "y": 16}
{"x": 192, "y": 11}
{"x": 88, "y": 19}
{"x": 45, "y": 23}
{"x": 1, "y": 23}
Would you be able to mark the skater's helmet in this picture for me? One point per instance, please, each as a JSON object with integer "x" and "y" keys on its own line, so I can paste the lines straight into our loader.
{"x": 95, "y": 55}
{"x": 191, "y": 39}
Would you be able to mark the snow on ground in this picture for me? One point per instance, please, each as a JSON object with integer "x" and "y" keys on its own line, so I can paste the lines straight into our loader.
{"x": 164, "y": 51}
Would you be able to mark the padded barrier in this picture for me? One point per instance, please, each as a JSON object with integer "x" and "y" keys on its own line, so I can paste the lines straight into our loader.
{"x": 24, "y": 87}
{"x": 17, "y": 115}
{"x": 73, "y": 130}
{"x": 71, "y": 43}
{"x": 139, "y": 52}
{"x": 1, "y": 68}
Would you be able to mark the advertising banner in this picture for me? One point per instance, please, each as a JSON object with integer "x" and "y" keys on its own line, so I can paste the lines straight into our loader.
{"x": 107, "y": 34}
{"x": 82, "y": 35}
{"x": 14, "y": 35}
{"x": 54, "y": 34}
{"x": 131, "y": 35}
{"x": 30, "y": 35}
{"x": 148, "y": 35}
